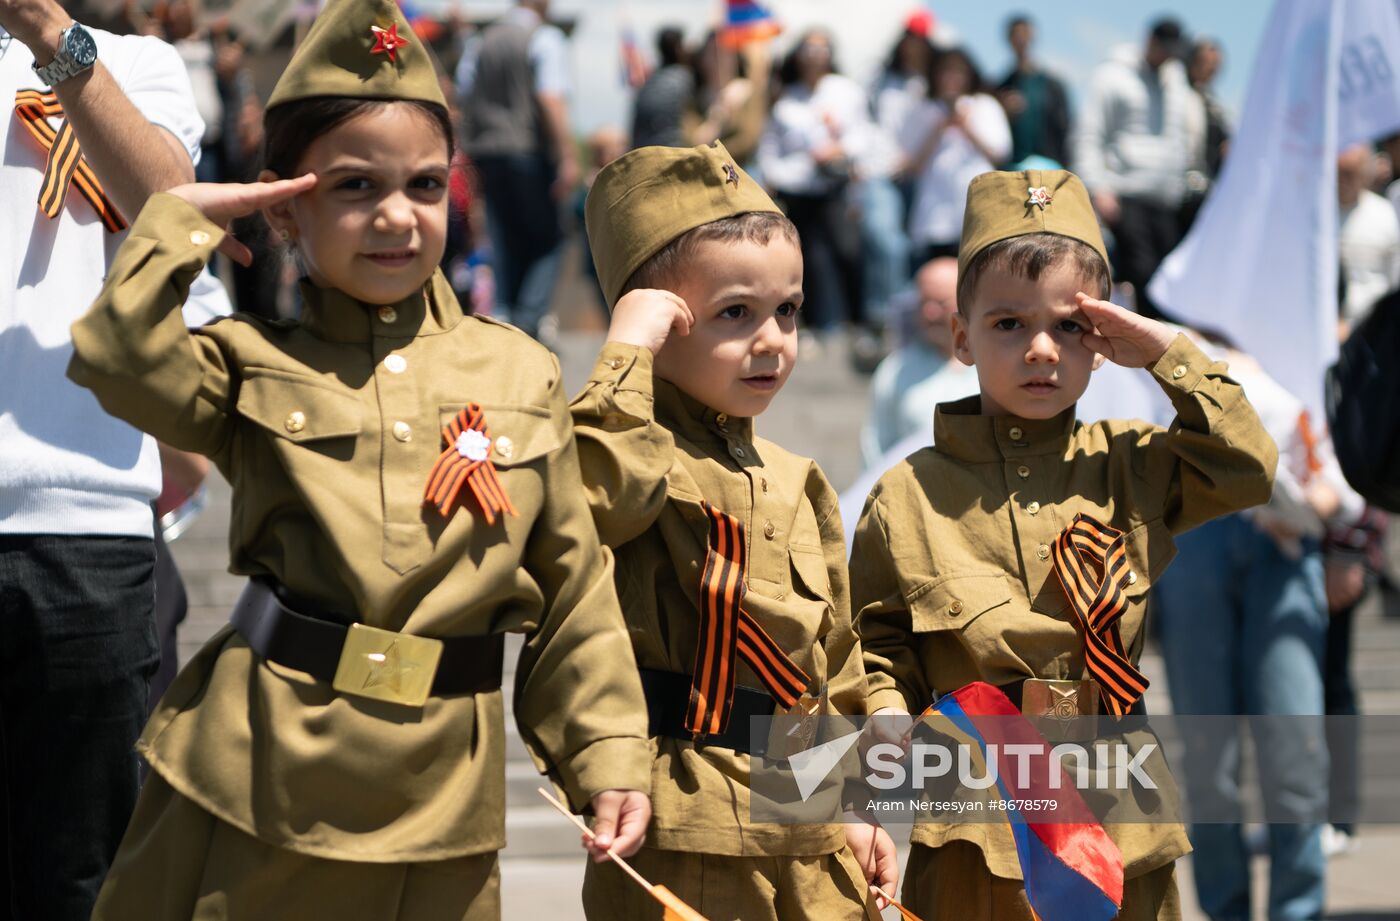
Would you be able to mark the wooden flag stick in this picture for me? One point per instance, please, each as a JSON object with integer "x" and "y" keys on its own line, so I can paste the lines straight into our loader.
{"x": 898, "y": 907}
{"x": 583, "y": 827}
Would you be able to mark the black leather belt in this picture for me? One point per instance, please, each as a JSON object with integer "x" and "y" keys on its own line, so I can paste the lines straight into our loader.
{"x": 316, "y": 644}
{"x": 668, "y": 694}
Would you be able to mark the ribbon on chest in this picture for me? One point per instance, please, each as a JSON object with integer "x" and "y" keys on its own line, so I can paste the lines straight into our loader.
{"x": 729, "y": 634}
{"x": 1091, "y": 561}
{"x": 466, "y": 461}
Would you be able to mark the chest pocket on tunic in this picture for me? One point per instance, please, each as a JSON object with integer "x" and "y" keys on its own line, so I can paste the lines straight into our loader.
{"x": 301, "y": 410}
{"x": 959, "y": 603}
{"x": 811, "y": 582}
{"x": 520, "y": 437}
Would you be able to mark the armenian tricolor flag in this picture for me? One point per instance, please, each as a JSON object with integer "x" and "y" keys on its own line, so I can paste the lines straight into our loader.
{"x": 747, "y": 21}
{"x": 1073, "y": 871}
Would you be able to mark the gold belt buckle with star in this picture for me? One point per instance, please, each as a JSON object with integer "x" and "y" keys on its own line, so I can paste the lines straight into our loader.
{"x": 1063, "y": 710}
{"x": 384, "y": 665}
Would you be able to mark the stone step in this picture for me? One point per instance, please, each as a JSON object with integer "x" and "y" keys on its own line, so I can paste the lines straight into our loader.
{"x": 539, "y": 833}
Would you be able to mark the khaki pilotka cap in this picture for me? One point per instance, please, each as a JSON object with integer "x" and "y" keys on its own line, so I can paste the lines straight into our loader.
{"x": 363, "y": 49}
{"x": 649, "y": 197}
{"x": 1005, "y": 205}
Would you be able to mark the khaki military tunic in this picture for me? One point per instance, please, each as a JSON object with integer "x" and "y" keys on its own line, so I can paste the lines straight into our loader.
{"x": 651, "y": 455}
{"x": 327, "y": 430}
{"x": 952, "y": 576}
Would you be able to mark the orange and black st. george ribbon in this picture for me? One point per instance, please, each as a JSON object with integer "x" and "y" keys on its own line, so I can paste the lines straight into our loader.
{"x": 729, "y": 634}
{"x": 66, "y": 166}
{"x": 1091, "y": 561}
{"x": 455, "y": 469}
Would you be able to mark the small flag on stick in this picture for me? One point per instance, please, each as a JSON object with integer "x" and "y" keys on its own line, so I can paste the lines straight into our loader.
{"x": 673, "y": 908}
{"x": 747, "y": 21}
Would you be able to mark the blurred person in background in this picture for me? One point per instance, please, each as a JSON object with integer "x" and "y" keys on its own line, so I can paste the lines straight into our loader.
{"x": 1203, "y": 64}
{"x": 180, "y": 22}
{"x": 1243, "y": 617}
{"x": 1390, "y": 146}
{"x": 1369, "y": 237}
{"x": 1036, "y": 103}
{"x": 885, "y": 195}
{"x": 921, "y": 372}
{"x": 1139, "y": 136}
{"x": 731, "y": 96}
{"x": 513, "y": 86}
{"x": 604, "y": 146}
{"x": 957, "y": 133}
{"x": 902, "y": 84}
{"x": 817, "y": 132}
{"x": 662, "y": 102}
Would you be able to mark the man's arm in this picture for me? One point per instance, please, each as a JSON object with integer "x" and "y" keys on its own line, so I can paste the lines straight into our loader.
{"x": 133, "y": 158}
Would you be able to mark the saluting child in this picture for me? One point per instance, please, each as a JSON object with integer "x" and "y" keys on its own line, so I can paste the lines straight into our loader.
{"x": 731, "y": 565}
{"x": 405, "y": 491}
{"x": 962, "y": 550}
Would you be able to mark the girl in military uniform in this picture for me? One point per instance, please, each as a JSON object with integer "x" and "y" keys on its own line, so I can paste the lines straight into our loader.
{"x": 405, "y": 491}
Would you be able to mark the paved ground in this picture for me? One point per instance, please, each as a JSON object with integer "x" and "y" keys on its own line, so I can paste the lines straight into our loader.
{"x": 818, "y": 415}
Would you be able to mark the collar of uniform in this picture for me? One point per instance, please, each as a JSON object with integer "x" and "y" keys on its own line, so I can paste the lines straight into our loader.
{"x": 688, "y": 417}
{"x": 961, "y": 431}
{"x": 333, "y": 315}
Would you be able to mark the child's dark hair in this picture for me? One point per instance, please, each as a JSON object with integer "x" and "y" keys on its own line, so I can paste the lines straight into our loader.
{"x": 665, "y": 268}
{"x": 290, "y": 128}
{"x": 1029, "y": 256}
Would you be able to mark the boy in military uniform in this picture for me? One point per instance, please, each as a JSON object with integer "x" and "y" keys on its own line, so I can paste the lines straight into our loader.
{"x": 405, "y": 491}
{"x": 960, "y": 554}
{"x": 719, "y": 535}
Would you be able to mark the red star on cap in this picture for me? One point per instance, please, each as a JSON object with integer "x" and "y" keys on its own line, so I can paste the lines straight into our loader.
{"x": 387, "y": 41}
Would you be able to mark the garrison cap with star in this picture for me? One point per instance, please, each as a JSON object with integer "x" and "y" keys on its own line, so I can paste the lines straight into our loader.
{"x": 645, "y": 199}
{"x": 363, "y": 49}
{"x": 1005, "y": 205}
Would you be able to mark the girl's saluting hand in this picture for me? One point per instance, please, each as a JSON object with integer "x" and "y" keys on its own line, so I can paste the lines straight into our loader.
{"x": 1123, "y": 337}
{"x": 222, "y": 202}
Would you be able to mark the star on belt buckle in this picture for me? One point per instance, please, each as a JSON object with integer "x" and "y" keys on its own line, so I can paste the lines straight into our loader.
{"x": 384, "y": 665}
{"x": 1062, "y": 710}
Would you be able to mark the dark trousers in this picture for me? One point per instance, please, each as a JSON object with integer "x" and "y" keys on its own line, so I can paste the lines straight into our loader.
{"x": 832, "y": 287}
{"x": 1146, "y": 231}
{"x": 1343, "y": 735}
{"x": 525, "y": 234}
{"x": 77, "y": 645}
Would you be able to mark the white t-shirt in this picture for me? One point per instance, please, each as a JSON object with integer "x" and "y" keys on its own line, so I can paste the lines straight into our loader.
{"x": 804, "y": 120}
{"x": 940, "y": 194}
{"x": 66, "y": 467}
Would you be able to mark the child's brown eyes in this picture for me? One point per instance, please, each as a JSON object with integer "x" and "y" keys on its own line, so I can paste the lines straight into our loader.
{"x": 736, "y": 312}
{"x": 788, "y": 310}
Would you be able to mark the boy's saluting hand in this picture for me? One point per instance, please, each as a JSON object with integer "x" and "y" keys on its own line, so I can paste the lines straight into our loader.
{"x": 1123, "y": 337}
{"x": 646, "y": 316}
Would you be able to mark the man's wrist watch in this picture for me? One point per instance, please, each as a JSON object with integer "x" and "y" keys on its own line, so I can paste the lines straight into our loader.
{"x": 76, "y": 53}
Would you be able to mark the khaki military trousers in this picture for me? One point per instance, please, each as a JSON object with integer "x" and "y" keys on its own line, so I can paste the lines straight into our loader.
{"x": 826, "y": 888}
{"x": 179, "y": 863}
{"x": 952, "y": 883}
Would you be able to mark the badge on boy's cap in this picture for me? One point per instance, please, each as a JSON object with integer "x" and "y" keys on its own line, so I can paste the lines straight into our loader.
{"x": 645, "y": 199}
{"x": 1005, "y": 205}
{"x": 359, "y": 48}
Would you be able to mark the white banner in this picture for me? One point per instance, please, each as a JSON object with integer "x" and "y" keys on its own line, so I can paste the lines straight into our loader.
{"x": 1260, "y": 264}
